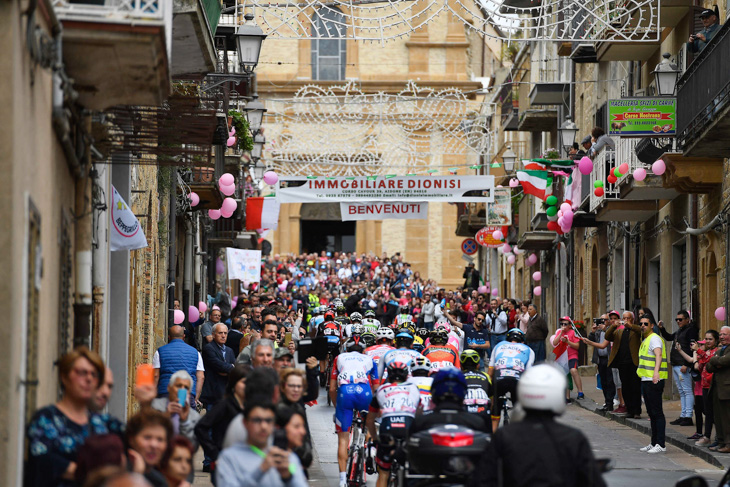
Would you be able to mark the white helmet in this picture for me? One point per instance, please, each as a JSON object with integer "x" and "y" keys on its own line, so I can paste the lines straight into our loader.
{"x": 542, "y": 388}
{"x": 384, "y": 332}
{"x": 421, "y": 363}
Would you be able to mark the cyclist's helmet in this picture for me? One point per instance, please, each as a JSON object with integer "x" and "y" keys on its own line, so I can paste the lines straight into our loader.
{"x": 448, "y": 384}
{"x": 420, "y": 367}
{"x": 356, "y": 317}
{"x": 516, "y": 335}
{"x": 408, "y": 325}
{"x": 358, "y": 329}
{"x": 397, "y": 371}
{"x": 394, "y": 327}
{"x": 444, "y": 325}
{"x": 355, "y": 344}
{"x": 404, "y": 339}
{"x": 404, "y": 309}
{"x": 329, "y": 316}
{"x": 418, "y": 347}
{"x": 423, "y": 333}
{"x": 318, "y": 310}
{"x": 369, "y": 339}
{"x": 384, "y": 333}
{"x": 439, "y": 337}
{"x": 469, "y": 360}
{"x": 370, "y": 314}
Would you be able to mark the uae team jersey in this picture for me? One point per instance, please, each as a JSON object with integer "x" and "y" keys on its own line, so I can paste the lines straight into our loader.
{"x": 353, "y": 368}
{"x": 393, "y": 399}
{"x": 510, "y": 359}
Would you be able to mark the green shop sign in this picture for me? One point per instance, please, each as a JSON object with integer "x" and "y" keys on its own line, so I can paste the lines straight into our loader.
{"x": 642, "y": 117}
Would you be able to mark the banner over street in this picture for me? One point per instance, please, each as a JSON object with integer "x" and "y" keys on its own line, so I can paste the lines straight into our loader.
{"x": 384, "y": 211}
{"x": 451, "y": 189}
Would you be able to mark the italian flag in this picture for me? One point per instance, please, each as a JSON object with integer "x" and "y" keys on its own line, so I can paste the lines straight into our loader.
{"x": 535, "y": 166}
{"x": 533, "y": 182}
{"x": 262, "y": 213}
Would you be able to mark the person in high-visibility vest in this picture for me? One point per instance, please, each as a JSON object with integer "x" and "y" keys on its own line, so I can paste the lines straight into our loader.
{"x": 652, "y": 371}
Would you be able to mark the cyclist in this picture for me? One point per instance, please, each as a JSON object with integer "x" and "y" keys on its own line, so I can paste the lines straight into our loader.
{"x": 453, "y": 337}
{"x": 371, "y": 324}
{"x": 317, "y": 319}
{"x": 396, "y": 403}
{"x": 419, "y": 340}
{"x": 369, "y": 339}
{"x": 555, "y": 451}
{"x": 403, "y": 315}
{"x": 421, "y": 371}
{"x": 402, "y": 352}
{"x": 331, "y": 329}
{"x": 479, "y": 385}
{"x": 439, "y": 352}
{"x": 447, "y": 392}
{"x": 509, "y": 360}
{"x": 384, "y": 344}
{"x": 355, "y": 319}
{"x": 350, "y": 390}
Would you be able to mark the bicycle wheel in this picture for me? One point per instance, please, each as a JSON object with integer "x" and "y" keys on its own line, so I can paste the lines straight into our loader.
{"x": 327, "y": 380}
{"x": 360, "y": 467}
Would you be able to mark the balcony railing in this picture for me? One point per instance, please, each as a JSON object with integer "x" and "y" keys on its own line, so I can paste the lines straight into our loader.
{"x": 602, "y": 165}
{"x": 113, "y": 10}
{"x": 626, "y": 152}
{"x": 703, "y": 95}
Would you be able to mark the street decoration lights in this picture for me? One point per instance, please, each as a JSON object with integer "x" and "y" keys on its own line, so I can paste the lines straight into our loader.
{"x": 666, "y": 75}
{"x": 249, "y": 38}
{"x": 567, "y": 133}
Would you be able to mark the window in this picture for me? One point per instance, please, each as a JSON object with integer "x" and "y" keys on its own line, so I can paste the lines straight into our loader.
{"x": 329, "y": 56}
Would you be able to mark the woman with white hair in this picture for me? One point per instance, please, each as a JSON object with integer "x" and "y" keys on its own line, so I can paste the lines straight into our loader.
{"x": 177, "y": 406}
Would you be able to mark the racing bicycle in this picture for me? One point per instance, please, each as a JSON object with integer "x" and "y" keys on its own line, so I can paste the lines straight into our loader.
{"x": 356, "y": 451}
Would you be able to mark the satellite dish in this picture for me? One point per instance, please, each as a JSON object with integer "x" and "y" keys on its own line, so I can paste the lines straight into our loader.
{"x": 265, "y": 247}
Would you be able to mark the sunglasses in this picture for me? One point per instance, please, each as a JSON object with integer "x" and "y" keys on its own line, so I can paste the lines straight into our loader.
{"x": 645, "y": 323}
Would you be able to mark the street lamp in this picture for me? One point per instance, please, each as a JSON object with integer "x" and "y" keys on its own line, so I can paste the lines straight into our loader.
{"x": 258, "y": 171}
{"x": 255, "y": 111}
{"x": 249, "y": 38}
{"x": 567, "y": 133}
{"x": 258, "y": 146}
{"x": 666, "y": 75}
{"x": 509, "y": 158}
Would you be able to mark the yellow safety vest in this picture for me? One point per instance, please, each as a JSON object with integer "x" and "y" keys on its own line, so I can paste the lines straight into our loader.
{"x": 647, "y": 360}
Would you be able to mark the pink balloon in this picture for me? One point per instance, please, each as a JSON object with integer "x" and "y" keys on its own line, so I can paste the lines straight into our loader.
{"x": 658, "y": 167}
{"x": 193, "y": 314}
{"x": 482, "y": 289}
{"x": 495, "y": 292}
{"x": 271, "y": 178}
{"x": 202, "y": 307}
{"x": 720, "y": 314}
{"x": 497, "y": 235}
{"x": 640, "y": 174}
{"x": 220, "y": 267}
{"x": 585, "y": 165}
{"x": 565, "y": 207}
{"x": 234, "y": 301}
{"x": 229, "y": 205}
{"x": 231, "y": 141}
{"x": 537, "y": 275}
{"x": 246, "y": 285}
{"x": 226, "y": 180}
{"x": 194, "y": 199}
{"x": 532, "y": 259}
{"x": 232, "y": 132}
{"x": 537, "y": 290}
{"x": 179, "y": 316}
{"x": 214, "y": 214}
{"x": 226, "y": 213}
{"x": 511, "y": 259}
{"x": 568, "y": 216}
{"x": 561, "y": 221}
{"x": 228, "y": 190}
{"x": 560, "y": 214}
{"x": 513, "y": 183}
{"x": 506, "y": 248}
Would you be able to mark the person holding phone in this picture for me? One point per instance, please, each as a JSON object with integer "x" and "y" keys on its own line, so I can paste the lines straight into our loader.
{"x": 177, "y": 406}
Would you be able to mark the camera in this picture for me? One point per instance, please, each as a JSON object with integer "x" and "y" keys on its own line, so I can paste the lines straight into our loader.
{"x": 599, "y": 321}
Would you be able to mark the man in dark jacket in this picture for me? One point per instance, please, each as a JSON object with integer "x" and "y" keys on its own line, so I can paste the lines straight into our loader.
{"x": 684, "y": 336}
{"x": 697, "y": 42}
{"x": 218, "y": 360}
{"x": 537, "y": 332}
{"x": 471, "y": 277}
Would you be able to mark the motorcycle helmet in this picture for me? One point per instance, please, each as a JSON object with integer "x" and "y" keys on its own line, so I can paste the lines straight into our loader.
{"x": 542, "y": 388}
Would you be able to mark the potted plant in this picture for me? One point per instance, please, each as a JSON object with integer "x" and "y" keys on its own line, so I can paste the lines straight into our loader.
{"x": 244, "y": 139}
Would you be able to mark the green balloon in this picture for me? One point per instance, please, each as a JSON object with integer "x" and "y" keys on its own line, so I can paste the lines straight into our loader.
{"x": 598, "y": 184}
{"x": 552, "y": 200}
{"x": 549, "y": 181}
{"x": 552, "y": 210}
{"x": 617, "y": 173}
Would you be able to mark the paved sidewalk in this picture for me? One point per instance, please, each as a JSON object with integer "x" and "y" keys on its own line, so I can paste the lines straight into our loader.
{"x": 676, "y": 435}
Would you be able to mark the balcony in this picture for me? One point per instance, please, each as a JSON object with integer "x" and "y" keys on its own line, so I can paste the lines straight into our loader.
{"x": 692, "y": 174}
{"x": 225, "y": 231}
{"x": 471, "y": 217}
{"x": 193, "y": 25}
{"x": 703, "y": 101}
{"x": 537, "y": 240}
{"x": 610, "y": 206}
{"x": 631, "y": 25}
{"x": 652, "y": 187}
{"x": 549, "y": 94}
{"x": 117, "y": 51}
{"x": 538, "y": 120}
{"x": 203, "y": 180}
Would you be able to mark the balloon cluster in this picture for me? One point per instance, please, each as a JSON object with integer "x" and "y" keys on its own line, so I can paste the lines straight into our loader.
{"x": 227, "y": 186}
{"x": 560, "y": 219}
{"x": 536, "y": 276}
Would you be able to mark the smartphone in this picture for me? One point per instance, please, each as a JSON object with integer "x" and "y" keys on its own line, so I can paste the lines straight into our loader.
{"x": 287, "y": 338}
{"x": 280, "y": 440}
{"x": 182, "y": 396}
{"x": 145, "y": 375}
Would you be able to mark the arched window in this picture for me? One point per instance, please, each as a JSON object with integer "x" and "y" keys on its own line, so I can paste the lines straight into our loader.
{"x": 329, "y": 55}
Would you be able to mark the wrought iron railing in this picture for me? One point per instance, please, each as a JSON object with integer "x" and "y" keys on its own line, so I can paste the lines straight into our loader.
{"x": 113, "y": 10}
{"x": 626, "y": 152}
{"x": 704, "y": 88}
{"x": 602, "y": 165}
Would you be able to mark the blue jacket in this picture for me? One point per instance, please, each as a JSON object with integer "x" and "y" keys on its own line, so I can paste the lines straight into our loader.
{"x": 176, "y": 355}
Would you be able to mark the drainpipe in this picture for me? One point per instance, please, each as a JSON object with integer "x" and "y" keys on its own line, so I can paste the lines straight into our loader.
{"x": 83, "y": 302}
{"x": 188, "y": 269}
{"x": 626, "y": 270}
{"x": 693, "y": 254}
{"x": 100, "y": 262}
{"x": 172, "y": 256}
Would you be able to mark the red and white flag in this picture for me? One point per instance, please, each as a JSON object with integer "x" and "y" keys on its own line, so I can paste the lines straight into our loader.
{"x": 533, "y": 182}
{"x": 262, "y": 213}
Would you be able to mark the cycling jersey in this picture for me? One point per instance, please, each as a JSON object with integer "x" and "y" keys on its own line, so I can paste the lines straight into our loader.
{"x": 510, "y": 359}
{"x": 353, "y": 372}
{"x": 478, "y": 391}
{"x": 442, "y": 356}
{"x": 405, "y": 355}
{"x": 403, "y": 318}
{"x": 454, "y": 341}
{"x": 424, "y": 388}
{"x": 396, "y": 400}
{"x": 371, "y": 324}
{"x": 376, "y": 352}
